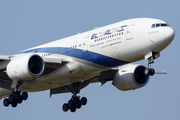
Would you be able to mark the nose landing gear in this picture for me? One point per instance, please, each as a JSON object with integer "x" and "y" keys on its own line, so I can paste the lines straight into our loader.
{"x": 150, "y": 71}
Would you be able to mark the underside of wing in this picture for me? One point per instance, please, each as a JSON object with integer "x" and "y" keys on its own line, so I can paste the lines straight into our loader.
{"x": 102, "y": 77}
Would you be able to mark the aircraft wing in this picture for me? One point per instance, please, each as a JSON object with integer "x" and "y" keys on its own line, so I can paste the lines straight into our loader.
{"x": 51, "y": 64}
{"x": 102, "y": 77}
{"x": 4, "y": 57}
{"x": 5, "y": 81}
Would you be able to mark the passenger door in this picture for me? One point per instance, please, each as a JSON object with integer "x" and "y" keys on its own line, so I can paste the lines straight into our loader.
{"x": 85, "y": 44}
{"x": 129, "y": 33}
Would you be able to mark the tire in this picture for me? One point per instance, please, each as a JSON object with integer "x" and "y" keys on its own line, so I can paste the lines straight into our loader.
{"x": 83, "y": 101}
{"x": 65, "y": 107}
{"x": 16, "y": 95}
{"x": 24, "y": 95}
{"x": 78, "y": 105}
{"x": 11, "y": 99}
{"x": 146, "y": 71}
{"x": 73, "y": 109}
{"x": 152, "y": 72}
{"x": 20, "y": 100}
{"x": 76, "y": 100}
{"x": 70, "y": 103}
{"x": 14, "y": 104}
{"x": 6, "y": 102}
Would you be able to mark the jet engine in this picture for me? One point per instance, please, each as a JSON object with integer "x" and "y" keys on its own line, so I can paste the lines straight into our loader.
{"x": 130, "y": 77}
{"x": 25, "y": 67}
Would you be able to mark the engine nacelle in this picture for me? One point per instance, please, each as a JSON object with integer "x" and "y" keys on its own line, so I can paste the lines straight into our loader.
{"x": 25, "y": 67}
{"x": 130, "y": 77}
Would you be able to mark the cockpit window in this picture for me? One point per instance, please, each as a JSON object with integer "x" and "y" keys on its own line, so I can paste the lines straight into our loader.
{"x": 159, "y": 25}
{"x": 153, "y": 26}
{"x": 162, "y": 25}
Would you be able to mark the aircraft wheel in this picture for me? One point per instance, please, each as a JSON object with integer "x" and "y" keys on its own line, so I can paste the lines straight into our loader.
{"x": 24, "y": 95}
{"x": 14, "y": 104}
{"x": 20, "y": 100}
{"x": 83, "y": 101}
{"x": 76, "y": 100}
{"x": 70, "y": 103}
{"x": 16, "y": 95}
{"x": 151, "y": 72}
{"x": 78, "y": 105}
{"x": 73, "y": 108}
{"x": 6, "y": 102}
{"x": 65, "y": 107}
{"x": 11, "y": 99}
{"x": 146, "y": 71}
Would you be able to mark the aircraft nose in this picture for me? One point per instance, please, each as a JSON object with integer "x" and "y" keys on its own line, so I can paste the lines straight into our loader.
{"x": 169, "y": 34}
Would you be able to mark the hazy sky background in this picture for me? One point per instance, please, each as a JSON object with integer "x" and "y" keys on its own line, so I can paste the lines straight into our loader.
{"x": 28, "y": 23}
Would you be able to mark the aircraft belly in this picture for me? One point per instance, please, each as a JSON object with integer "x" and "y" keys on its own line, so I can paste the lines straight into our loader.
{"x": 67, "y": 74}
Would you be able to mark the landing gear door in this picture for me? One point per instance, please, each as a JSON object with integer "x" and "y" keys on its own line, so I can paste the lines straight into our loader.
{"x": 129, "y": 34}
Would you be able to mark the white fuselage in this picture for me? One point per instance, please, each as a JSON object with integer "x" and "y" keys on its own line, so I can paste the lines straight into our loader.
{"x": 102, "y": 48}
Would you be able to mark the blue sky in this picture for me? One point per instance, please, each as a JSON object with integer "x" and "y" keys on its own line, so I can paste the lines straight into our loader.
{"x": 25, "y": 24}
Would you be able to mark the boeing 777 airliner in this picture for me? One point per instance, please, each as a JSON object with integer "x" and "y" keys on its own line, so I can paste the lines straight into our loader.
{"x": 99, "y": 55}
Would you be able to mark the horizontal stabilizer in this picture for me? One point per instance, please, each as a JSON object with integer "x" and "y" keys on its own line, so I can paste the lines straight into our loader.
{"x": 161, "y": 72}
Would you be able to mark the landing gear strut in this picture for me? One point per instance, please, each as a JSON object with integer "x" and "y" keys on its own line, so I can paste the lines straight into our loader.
{"x": 150, "y": 71}
{"x": 75, "y": 102}
{"x": 16, "y": 97}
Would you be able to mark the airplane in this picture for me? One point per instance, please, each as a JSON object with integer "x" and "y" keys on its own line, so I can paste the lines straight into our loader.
{"x": 100, "y": 55}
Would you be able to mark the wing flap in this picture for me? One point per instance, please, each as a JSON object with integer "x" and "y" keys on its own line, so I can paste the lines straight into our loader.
{"x": 4, "y": 93}
{"x": 55, "y": 60}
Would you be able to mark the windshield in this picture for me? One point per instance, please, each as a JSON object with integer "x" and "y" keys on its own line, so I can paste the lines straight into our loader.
{"x": 159, "y": 25}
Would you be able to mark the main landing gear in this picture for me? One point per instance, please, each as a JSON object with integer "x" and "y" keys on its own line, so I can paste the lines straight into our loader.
{"x": 150, "y": 71}
{"x": 75, "y": 102}
{"x": 16, "y": 97}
